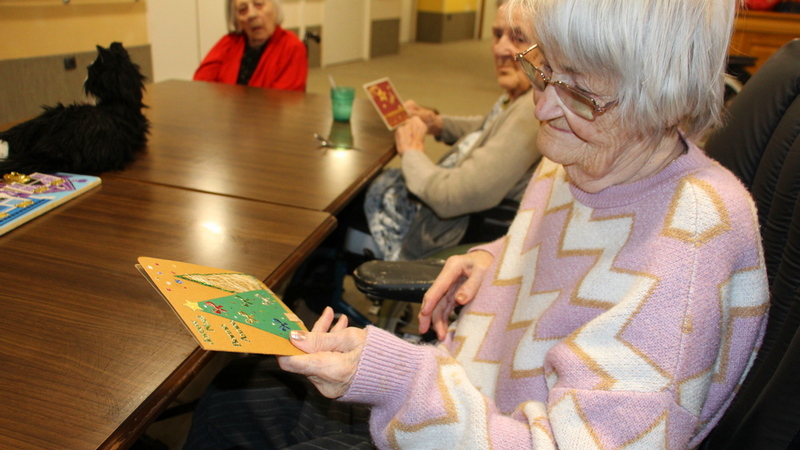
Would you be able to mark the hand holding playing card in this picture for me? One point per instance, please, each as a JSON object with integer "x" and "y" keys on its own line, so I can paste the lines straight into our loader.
{"x": 430, "y": 116}
{"x": 410, "y": 135}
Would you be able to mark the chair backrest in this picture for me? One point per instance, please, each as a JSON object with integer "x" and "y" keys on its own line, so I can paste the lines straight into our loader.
{"x": 760, "y": 144}
{"x": 486, "y": 226}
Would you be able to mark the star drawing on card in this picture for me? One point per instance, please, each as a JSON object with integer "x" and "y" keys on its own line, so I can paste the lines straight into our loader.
{"x": 192, "y": 305}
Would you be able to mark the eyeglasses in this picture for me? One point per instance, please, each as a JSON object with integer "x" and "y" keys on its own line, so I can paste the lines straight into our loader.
{"x": 573, "y": 98}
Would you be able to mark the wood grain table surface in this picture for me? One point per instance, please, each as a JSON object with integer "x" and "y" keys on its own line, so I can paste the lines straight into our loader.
{"x": 90, "y": 352}
{"x": 259, "y": 144}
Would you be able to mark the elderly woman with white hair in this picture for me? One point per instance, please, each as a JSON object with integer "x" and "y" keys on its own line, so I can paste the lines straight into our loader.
{"x": 625, "y": 305}
{"x": 256, "y": 51}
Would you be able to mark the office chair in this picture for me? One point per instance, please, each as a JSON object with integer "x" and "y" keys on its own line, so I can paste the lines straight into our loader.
{"x": 760, "y": 143}
{"x": 394, "y": 285}
{"x": 312, "y": 51}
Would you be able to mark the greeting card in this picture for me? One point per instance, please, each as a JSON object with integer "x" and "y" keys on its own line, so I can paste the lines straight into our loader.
{"x": 224, "y": 310}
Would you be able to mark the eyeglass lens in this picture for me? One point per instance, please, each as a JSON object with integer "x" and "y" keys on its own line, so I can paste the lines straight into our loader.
{"x": 578, "y": 104}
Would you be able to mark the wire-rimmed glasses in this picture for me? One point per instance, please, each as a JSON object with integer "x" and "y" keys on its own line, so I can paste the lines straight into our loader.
{"x": 573, "y": 98}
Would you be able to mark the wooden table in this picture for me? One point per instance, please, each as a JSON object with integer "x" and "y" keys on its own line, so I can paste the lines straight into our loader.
{"x": 90, "y": 351}
{"x": 759, "y": 34}
{"x": 258, "y": 144}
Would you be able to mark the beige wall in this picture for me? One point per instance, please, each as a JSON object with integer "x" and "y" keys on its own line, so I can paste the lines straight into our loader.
{"x": 28, "y": 83}
{"x": 36, "y": 36}
{"x": 52, "y": 28}
{"x": 385, "y": 9}
{"x": 170, "y": 38}
{"x": 172, "y": 27}
{"x": 180, "y": 31}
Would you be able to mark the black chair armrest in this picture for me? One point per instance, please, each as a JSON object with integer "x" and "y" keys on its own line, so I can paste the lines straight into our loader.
{"x": 397, "y": 280}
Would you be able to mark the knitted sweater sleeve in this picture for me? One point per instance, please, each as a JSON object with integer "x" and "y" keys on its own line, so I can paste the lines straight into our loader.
{"x": 504, "y": 154}
{"x": 456, "y": 127}
{"x": 422, "y": 398}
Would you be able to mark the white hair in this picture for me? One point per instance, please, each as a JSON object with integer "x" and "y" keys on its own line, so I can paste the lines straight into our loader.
{"x": 230, "y": 15}
{"x": 666, "y": 58}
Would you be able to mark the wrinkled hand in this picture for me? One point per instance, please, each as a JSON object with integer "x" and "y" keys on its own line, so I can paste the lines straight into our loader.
{"x": 410, "y": 135}
{"x": 430, "y": 117}
{"x": 332, "y": 354}
{"x": 457, "y": 284}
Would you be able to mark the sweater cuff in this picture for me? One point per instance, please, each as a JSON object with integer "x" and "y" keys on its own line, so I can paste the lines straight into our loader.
{"x": 494, "y": 247}
{"x": 386, "y": 369}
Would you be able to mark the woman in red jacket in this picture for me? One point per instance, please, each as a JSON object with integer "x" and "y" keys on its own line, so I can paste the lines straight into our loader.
{"x": 257, "y": 52}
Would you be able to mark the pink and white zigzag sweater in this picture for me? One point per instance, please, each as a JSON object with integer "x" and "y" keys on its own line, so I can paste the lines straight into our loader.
{"x": 618, "y": 320}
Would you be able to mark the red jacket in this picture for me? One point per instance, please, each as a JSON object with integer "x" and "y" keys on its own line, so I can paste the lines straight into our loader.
{"x": 283, "y": 64}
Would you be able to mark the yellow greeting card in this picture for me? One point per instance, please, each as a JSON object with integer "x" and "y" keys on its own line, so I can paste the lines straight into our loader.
{"x": 224, "y": 310}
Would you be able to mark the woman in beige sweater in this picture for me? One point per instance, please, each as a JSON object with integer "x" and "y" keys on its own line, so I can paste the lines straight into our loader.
{"x": 424, "y": 206}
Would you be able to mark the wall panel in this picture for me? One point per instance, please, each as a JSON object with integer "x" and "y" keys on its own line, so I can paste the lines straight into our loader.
{"x": 29, "y": 83}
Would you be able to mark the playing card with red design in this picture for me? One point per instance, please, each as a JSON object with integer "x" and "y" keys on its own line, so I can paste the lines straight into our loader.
{"x": 386, "y": 101}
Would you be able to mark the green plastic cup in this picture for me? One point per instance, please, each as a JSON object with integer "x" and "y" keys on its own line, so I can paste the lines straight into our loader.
{"x": 342, "y": 102}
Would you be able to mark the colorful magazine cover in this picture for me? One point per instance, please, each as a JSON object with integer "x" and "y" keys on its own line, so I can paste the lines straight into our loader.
{"x": 25, "y": 197}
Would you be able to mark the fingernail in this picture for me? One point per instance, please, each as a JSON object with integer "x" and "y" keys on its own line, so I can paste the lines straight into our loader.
{"x": 298, "y": 335}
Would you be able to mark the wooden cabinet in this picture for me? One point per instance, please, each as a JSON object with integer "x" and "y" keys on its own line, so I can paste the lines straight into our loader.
{"x": 760, "y": 33}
